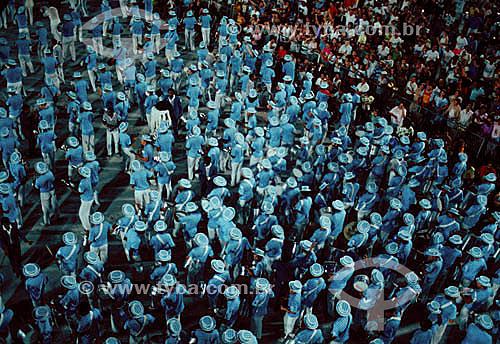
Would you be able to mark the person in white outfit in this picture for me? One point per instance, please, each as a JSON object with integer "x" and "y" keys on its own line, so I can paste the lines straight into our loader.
{"x": 86, "y": 197}
{"x": 53, "y": 15}
{"x": 29, "y": 4}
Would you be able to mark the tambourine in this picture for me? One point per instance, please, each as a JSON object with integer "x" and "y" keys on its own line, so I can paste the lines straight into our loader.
{"x": 361, "y": 283}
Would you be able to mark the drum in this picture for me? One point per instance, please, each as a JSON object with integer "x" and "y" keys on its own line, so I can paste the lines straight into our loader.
{"x": 361, "y": 283}
{"x": 350, "y": 230}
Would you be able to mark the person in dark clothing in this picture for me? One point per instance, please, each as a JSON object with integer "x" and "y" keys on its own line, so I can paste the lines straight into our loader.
{"x": 28, "y": 124}
{"x": 207, "y": 171}
{"x": 175, "y": 102}
{"x": 11, "y": 245}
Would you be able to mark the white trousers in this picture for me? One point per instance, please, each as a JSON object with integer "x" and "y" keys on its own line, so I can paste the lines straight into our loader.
{"x": 141, "y": 198}
{"x": 55, "y": 79}
{"x": 88, "y": 143}
{"x": 205, "y": 34}
{"x": 235, "y": 172}
{"x": 136, "y": 39}
{"x": 84, "y": 214}
{"x": 49, "y": 205}
{"x": 289, "y": 324}
{"x": 189, "y": 39}
{"x": 192, "y": 163}
{"x": 69, "y": 43}
{"x": 102, "y": 252}
{"x": 254, "y": 160}
{"x": 91, "y": 73}
{"x": 26, "y": 60}
{"x": 97, "y": 45}
{"x": 112, "y": 135}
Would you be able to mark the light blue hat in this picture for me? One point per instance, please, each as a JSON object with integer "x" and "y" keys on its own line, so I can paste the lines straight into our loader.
{"x": 69, "y": 238}
{"x": 41, "y": 167}
{"x": 231, "y": 293}
{"x": 168, "y": 280}
{"x": 404, "y": 234}
{"x": 84, "y": 171}
{"x": 191, "y": 207}
{"x": 325, "y": 222}
{"x": 228, "y": 214}
{"x": 201, "y": 239}
{"x": 306, "y": 245}
{"x": 484, "y": 281}
{"x": 482, "y": 200}
{"x": 41, "y": 312}
{"x": 452, "y": 291}
{"x": 392, "y": 248}
{"x": 376, "y": 218}
{"x": 343, "y": 308}
{"x": 229, "y": 336}
{"x": 490, "y": 177}
{"x": 217, "y": 265}
{"x": 164, "y": 256}
{"x": 15, "y": 157}
{"x": 377, "y": 276}
{"x": 363, "y": 226}
{"x": 174, "y": 326}
{"x": 316, "y": 270}
{"x": 266, "y": 164}
{"x": 185, "y": 183}
{"x": 408, "y": 219}
{"x": 278, "y": 231}
{"x": 456, "y": 239}
{"x": 485, "y": 321}
{"x": 43, "y": 125}
{"x": 371, "y": 187}
{"x": 97, "y": 218}
{"x": 235, "y": 234}
{"x": 140, "y": 226}
{"x": 425, "y": 203}
{"x": 246, "y": 337}
{"x": 72, "y": 141}
{"x": 434, "y": 307}
{"x": 432, "y": 252}
{"x": 91, "y": 257}
{"x": 338, "y": 204}
{"x": 136, "y": 308}
{"x": 295, "y": 285}
{"x": 311, "y": 321}
{"x": 411, "y": 278}
{"x": 128, "y": 210}
{"x": 5, "y": 188}
{"x": 347, "y": 261}
{"x": 68, "y": 282}
{"x": 261, "y": 284}
{"x": 306, "y": 167}
{"x": 116, "y": 276}
{"x": 476, "y": 252}
{"x": 396, "y": 204}
{"x": 31, "y": 270}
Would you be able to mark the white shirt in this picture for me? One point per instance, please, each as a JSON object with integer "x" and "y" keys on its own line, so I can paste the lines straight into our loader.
{"x": 397, "y": 115}
{"x": 495, "y": 133}
{"x": 411, "y": 87}
{"x": 363, "y": 87}
{"x": 383, "y": 51}
{"x": 461, "y": 43}
{"x": 465, "y": 116}
{"x": 431, "y": 55}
